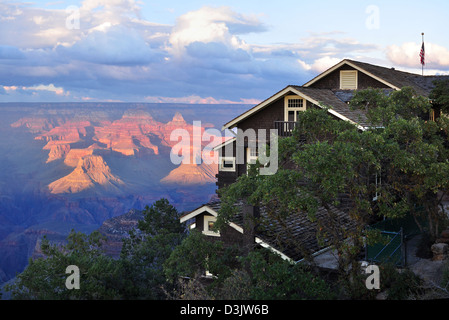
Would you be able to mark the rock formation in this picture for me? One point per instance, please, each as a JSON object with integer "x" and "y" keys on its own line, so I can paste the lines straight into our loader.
{"x": 74, "y": 155}
{"x": 135, "y": 131}
{"x": 90, "y": 171}
{"x": 192, "y": 174}
{"x": 128, "y": 134}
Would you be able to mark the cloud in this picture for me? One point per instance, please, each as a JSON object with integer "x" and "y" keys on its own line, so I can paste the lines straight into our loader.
{"x": 118, "y": 55}
{"x": 407, "y": 55}
{"x": 209, "y": 24}
{"x": 321, "y": 64}
{"x": 51, "y": 87}
{"x": 111, "y": 45}
{"x": 193, "y": 99}
{"x": 10, "y": 52}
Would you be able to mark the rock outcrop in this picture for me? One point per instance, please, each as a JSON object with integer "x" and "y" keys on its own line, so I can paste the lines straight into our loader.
{"x": 129, "y": 134}
{"x": 74, "y": 155}
{"x": 134, "y": 132}
{"x": 192, "y": 174}
{"x": 90, "y": 171}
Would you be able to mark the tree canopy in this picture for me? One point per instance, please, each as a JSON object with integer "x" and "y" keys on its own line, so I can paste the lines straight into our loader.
{"x": 392, "y": 169}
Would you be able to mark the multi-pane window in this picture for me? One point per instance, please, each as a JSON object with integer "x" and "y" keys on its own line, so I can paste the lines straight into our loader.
{"x": 295, "y": 103}
{"x": 293, "y": 106}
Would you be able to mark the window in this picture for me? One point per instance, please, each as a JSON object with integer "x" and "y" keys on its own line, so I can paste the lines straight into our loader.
{"x": 293, "y": 105}
{"x": 432, "y": 115}
{"x": 209, "y": 222}
{"x": 348, "y": 79}
{"x": 252, "y": 155}
{"x": 227, "y": 164}
{"x": 378, "y": 184}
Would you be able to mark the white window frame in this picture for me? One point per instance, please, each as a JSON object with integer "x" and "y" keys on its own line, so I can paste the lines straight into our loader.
{"x": 287, "y": 108}
{"x": 347, "y": 72}
{"x": 251, "y": 158}
{"x": 206, "y": 230}
{"x": 227, "y": 159}
{"x": 378, "y": 184}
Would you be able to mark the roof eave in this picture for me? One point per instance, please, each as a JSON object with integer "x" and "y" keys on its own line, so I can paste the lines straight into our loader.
{"x": 349, "y": 63}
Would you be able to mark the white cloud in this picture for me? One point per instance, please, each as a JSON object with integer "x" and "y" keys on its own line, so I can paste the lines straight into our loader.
{"x": 51, "y": 87}
{"x": 320, "y": 65}
{"x": 194, "y": 99}
{"x": 209, "y": 24}
{"x": 112, "y": 45}
{"x": 407, "y": 55}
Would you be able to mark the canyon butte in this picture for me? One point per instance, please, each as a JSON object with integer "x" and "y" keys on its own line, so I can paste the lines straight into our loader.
{"x": 75, "y": 166}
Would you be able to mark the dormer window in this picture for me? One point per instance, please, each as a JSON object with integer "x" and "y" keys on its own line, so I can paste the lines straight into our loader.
{"x": 293, "y": 105}
{"x": 348, "y": 79}
{"x": 209, "y": 223}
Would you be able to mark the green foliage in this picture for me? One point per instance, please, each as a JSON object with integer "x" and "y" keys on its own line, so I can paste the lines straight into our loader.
{"x": 138, "y": 274}
{"x": 160, "y": 218}
{"x": 399, "y": 284}
{"x": 326, "y": 158}
{"x": 141, "y": 271}
{"x": 273, "y": 278}
{"x": 196, "y": 255}
{"x": 440, "y": 95}
{"x": 413, "y": 154}
{"x": 45, "y": 278}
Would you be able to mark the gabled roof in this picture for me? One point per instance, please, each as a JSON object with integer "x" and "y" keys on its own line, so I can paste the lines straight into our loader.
{"x": 284, "y": 237}
{"x": 320, "y": 97}
{"x": 395, "y": 79}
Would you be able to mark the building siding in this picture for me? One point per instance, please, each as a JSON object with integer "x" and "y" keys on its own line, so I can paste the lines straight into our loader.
{"x": 332, "y": 81}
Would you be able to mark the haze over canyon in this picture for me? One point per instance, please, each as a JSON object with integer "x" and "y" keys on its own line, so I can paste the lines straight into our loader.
{"x": 74, "y": 166}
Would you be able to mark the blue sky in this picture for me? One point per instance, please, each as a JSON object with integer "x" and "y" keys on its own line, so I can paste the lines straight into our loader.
{"x": 204, "y": 51}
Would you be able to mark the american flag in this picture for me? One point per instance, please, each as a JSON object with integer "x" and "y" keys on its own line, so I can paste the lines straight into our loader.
{"x": 422, "y": 54}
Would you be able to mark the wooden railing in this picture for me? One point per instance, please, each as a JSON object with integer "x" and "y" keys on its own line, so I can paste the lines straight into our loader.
{"x": 284, "y": 128}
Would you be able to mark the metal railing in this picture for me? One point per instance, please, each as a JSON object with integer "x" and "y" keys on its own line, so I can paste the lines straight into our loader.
{"x": 393, "y": 252}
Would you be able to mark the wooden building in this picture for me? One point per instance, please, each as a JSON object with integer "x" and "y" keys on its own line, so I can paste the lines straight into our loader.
{"x": 332, "y": 89}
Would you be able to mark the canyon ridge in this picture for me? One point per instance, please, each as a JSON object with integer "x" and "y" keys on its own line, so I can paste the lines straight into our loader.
{"x": 76, "y": 165}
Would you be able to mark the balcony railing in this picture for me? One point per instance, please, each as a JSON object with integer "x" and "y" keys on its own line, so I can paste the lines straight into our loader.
{"x": 285, "y": 128}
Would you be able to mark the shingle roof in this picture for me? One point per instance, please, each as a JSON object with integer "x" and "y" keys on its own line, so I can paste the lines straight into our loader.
{"x": 296, "y": 233}
{"x": 422, "y": 84}
{"x": 329, "y": 99}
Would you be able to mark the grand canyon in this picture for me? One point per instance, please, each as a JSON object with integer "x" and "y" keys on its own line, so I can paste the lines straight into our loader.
{"x": 76, "y": 166}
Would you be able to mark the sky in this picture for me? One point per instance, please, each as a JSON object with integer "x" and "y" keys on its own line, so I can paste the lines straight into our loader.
{"x": 204, "y": 51}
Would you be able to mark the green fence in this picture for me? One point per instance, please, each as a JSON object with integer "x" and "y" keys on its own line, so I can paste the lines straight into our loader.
{"x": 390, "y": 251}
{"x": 395, "y": 232}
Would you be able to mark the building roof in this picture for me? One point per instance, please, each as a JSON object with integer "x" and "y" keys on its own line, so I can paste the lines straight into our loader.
{"x": 337, "y": 101}
{"x": 328, "y": 98}
{"x": 289, "y": 237}
{"x": 391, "y": 77}
{"x": 324, "y": 98}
